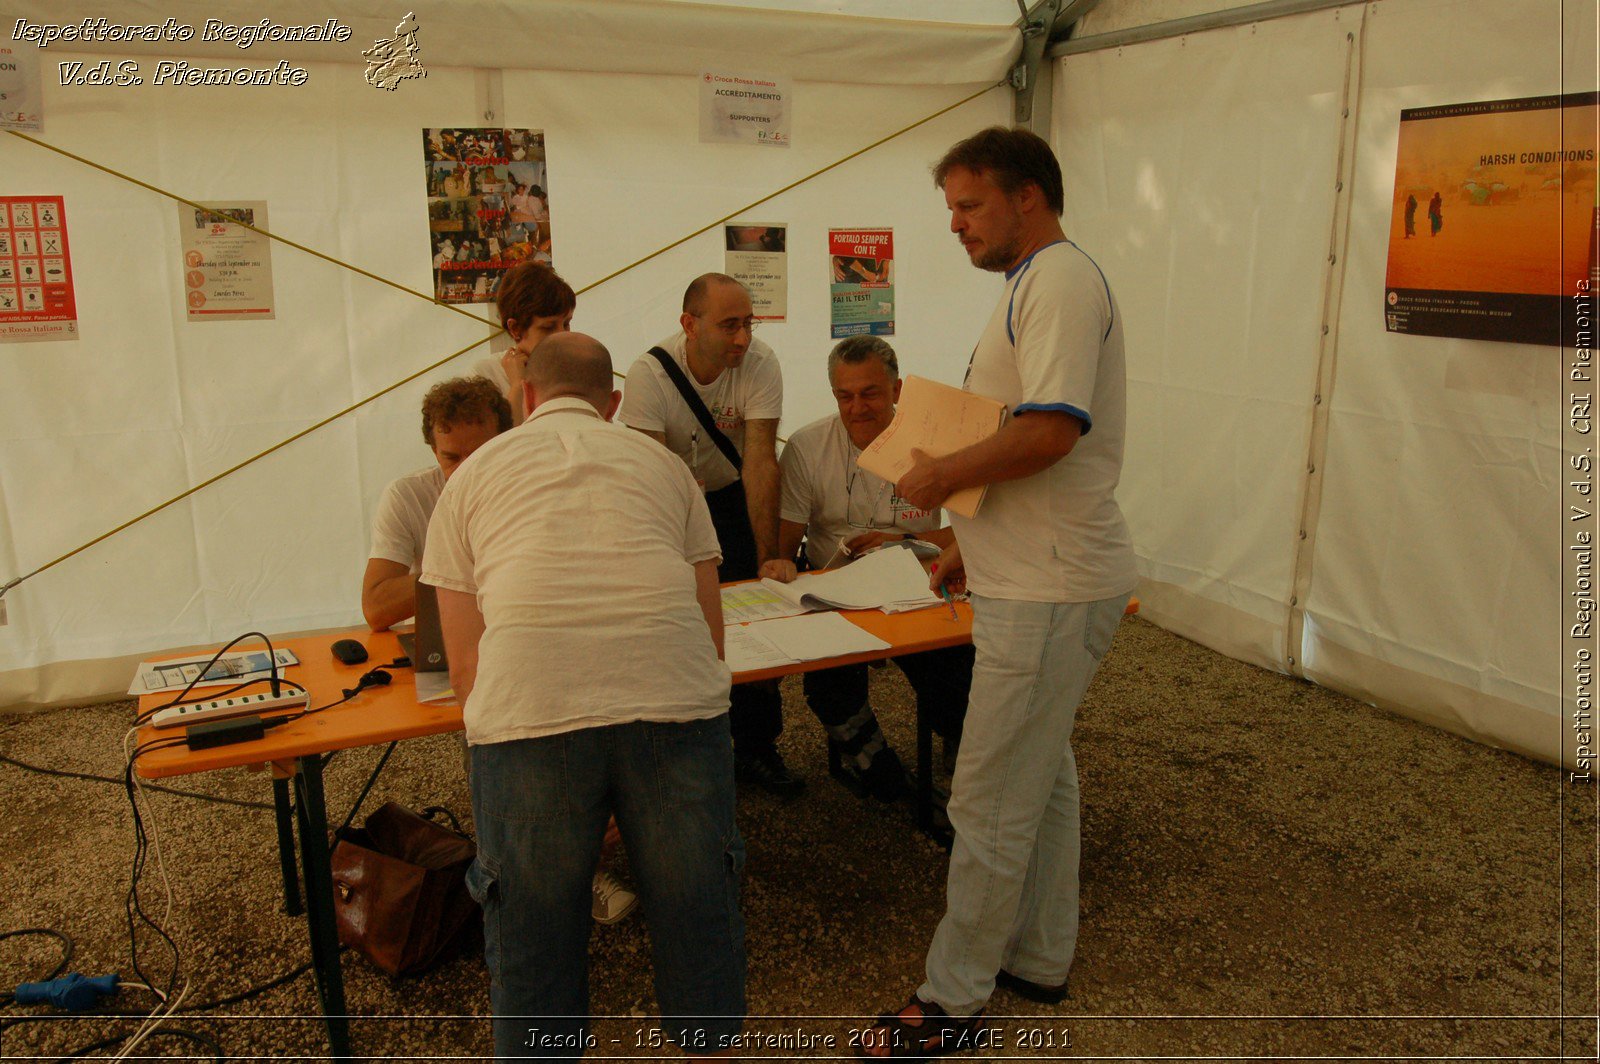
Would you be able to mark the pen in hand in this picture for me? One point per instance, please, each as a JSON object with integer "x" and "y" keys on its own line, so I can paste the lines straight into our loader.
{"x": 944, "y": 593}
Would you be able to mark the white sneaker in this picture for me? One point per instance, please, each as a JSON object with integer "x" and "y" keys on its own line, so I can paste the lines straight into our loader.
{"x": 612, "y": 900}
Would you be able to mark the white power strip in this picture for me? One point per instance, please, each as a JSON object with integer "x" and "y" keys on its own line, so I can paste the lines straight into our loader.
{"x": 237, "y": 706}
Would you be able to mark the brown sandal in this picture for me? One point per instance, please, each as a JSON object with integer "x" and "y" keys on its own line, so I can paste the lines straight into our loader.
{"x": 921, "y": 1041}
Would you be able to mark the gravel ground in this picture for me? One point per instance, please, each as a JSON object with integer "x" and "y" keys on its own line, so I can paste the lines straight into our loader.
{"x": 1270, "y": 870}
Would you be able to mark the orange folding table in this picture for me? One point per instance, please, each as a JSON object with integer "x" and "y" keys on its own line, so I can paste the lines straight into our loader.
{"x": 296, "y": 752}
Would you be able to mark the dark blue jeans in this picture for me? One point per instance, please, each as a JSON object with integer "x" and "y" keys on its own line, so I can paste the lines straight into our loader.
{"x": 755, "y": 710}
{"x": 941, "y": 678}
{"x": 540, "y": 806}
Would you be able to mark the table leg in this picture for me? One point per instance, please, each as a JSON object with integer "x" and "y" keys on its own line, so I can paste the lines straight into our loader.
{"x": 924, "y": 771}
{"x": 314, "y": 859}
{"x": 291, "y": 874}
{"x": 925, "y": 783}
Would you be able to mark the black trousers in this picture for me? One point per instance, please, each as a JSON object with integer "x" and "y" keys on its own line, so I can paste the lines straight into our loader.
{"x": 942, "y": 680}
{"x": 755, "y": 712}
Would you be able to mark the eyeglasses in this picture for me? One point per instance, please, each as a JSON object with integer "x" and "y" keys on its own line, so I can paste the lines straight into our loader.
{"x": 733, "y": 326}
{"x": 862, "y": 511}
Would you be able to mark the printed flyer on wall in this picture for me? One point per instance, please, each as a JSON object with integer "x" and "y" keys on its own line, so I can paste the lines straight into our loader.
{"x": 744, "y": 109}
{"x": 758, "y": 257}
{"x": 36, "y": 296}
{"x": 1492, "y": 235}
{"x": 862, "y": 264}
{"x": 487, "y": 208}
{"x": 227, "y": 269}
{"x": 21, "y": 101}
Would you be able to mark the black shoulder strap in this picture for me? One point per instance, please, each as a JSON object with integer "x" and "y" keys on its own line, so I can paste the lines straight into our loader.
{"x": 698, "y": 408}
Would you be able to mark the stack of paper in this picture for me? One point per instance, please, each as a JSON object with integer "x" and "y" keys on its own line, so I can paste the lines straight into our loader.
{"x": 890, "y": 580}
{"x": 787, "y": 640}
{"x": 752, "y": 602}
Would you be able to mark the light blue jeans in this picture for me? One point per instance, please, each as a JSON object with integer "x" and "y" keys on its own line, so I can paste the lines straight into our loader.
{"x": 1011, "y": 900}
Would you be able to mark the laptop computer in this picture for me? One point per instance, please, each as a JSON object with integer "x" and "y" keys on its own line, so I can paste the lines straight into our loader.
{"x": 425, "y": 645}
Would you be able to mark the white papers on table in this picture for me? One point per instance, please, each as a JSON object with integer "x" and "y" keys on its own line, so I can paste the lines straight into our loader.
{"x": 746, "y": 648}
{"x": 819, "y": 635}
{"x": 434, "y": 687}
{"x": 787, "y": 640}
{"x": 753, "y": 602}
{"x": 230, "y": 669}
{"x": 937, "y": 419}
{"x": 890, "y": 580}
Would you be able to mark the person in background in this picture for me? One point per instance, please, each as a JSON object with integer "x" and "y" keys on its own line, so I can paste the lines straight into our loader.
{"x": 735, "y": 380}
{"x": 458, "y": 416}
{"x": 534, "y": 302}
{"x": 843, "y": 511}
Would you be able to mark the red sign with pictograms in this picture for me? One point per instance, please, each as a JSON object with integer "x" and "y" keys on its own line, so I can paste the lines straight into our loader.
{"x": 36, "y": 297}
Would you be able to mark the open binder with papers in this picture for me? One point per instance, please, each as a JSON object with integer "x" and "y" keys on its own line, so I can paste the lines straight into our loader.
{"x": 889, "y": 580}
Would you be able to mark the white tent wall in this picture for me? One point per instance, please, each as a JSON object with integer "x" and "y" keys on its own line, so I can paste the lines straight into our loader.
{"x": 1208, "y": 208}
{"x": 145, "y": 404}
{"x": 1213, "y": 209}
{"x": 1436, "y": 588}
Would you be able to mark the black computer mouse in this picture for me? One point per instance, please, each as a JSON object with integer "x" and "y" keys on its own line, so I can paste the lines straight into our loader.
{"x": 349, "y": 651}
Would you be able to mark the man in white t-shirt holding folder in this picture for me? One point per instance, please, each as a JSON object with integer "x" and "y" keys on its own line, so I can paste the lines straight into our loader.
{"x": 1049, "y": 563}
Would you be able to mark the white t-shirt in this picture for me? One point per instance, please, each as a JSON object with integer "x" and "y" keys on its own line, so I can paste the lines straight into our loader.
{"x": 1054, "y": 342}
{"x": 824, "y": 490}
{"x": 579, "y": 539}
{"x": 752, "y": 392}
{"x": 400, "y": 525}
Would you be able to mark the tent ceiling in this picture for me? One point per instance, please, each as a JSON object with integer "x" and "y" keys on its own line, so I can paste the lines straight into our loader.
{"x": 900, "y": 42}
{"x": 969, "y": 12}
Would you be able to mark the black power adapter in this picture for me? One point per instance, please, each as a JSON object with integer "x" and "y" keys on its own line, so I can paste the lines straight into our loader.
{"x": 205, "y": 735}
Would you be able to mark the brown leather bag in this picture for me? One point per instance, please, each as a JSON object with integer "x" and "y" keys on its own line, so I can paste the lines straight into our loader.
{"x": 400, "y": 889}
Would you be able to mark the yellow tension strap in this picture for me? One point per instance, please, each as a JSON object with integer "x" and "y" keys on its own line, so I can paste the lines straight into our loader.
{"x": 791, "y": 185}
{"x": 308, "y": 430}
{"x": 392, "y": 284}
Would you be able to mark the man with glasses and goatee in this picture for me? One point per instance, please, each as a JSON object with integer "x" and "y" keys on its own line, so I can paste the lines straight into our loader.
{"x": 713, "y": 394}
{"x": 844, "y": 511}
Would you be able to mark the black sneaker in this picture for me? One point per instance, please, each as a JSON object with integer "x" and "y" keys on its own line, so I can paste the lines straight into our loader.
{"x": 1045, "y": 995}
{"x": 884, "y": 779}
{"x": 765, "y": 769}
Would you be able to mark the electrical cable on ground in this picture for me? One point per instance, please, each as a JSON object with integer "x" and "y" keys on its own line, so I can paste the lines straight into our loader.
{"x": 146, "y": 1030}
{"x": 206, "y": 1040}
{"x": 66, "y": 954}
{"x": 92, "y": 778}
{"x": 131, "y": 903}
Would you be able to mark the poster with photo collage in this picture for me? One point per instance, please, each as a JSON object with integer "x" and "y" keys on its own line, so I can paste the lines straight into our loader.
{"x": 487, "y": 208}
